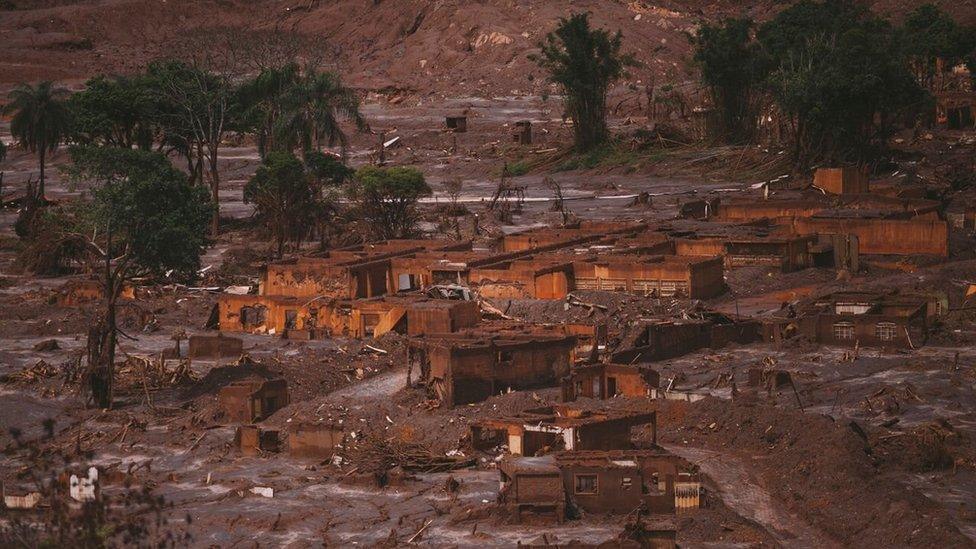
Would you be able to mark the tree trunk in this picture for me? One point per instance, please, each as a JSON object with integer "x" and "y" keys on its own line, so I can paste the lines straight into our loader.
{"x": 215, "y": 192}
{"x": 40, "y": 185}
{"x": 101, "y": 339}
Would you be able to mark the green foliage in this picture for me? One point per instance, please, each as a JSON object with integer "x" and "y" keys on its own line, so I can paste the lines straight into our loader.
{"x": 929, "y": 34}
{"x": 312, "y": 109}
{"x": 838, "y": 71}
{"x": 733, "y": 69}
{"x": 40, "y": 120}
{"x": 294, "y": 108}
{"x": 118, "y": 112}
{"x": 326, "y": 169}
{"x": 261, "y": 99}
{"x": 584, "y": 63}
{"x": 145, "y": 212}
{"x": 285, "y": 199}
{"x": 387, "y": 198}
{"x": 115, "y": 165}
{"x": 612, "y": 154}
{"x": 516, "y": 169}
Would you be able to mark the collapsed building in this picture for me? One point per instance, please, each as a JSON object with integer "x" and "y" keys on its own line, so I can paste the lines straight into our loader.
{"x": 371, "y": 289}
{"x": 869, "y": 319}
{"x": 303, "y": 318}
{"x": 317, "y": 441}
{"x": 598, "y": 482}
{"x": 560, "y": 427}
{"x": 207, "y": 347}
{"x": 883, "y": 225}
{"x": 666, "y": 339}
{"x": 603, "y": 381}
{"x": 473, "y": 365}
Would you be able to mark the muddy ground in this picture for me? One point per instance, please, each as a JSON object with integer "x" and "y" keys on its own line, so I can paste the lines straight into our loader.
{"x": 783, "y": 467}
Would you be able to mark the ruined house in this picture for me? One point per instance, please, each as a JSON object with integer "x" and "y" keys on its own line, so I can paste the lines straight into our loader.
{"x": 471, "y": 366}
{"x": 457, "y": 124}
{"x": 603, "y": 381}
{"x": 561, "y": 427}
{"x": 664, "y": 339}
{"x": 618, "y": 482}
{"x": 884, "y": 225}
{"x": 535, "y": 278}
{"x": 354, "y": 272}
{"x": 599, "y": 482}
{"x": 880, "y": 235}
{"x": 546, "y": 238}
{"x": 954, "y": 110}
{"x": 532, "y": 487}
{"x": 664, "y": 276}
{"x": 743, "y": 246}
{"x": 77, "y": 291}
{"x": 865, "y": 319}
{"x": 251, "y": 440}
{"x": 250, "y": 401}
{"x": 302, "y": 318}
{"x": 523, "y": 132}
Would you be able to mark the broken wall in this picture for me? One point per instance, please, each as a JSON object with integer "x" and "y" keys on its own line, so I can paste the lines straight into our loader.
{"x": 884, "y": 236}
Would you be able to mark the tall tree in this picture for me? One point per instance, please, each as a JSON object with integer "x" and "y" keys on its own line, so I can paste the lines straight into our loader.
{"x": 312, "y": 110}
{"x": 293, "y": 108}
{"x": 40, "y": 121}
{"x": 584, "y": 63}
{"x": 929, "y": 36}
{"x": 262, "y": 101}
{"x": 839, "y": 76}
{"x": 733, "y": 71}
{"x": 387, "y": 198}
{"x": 203, "y": 110}
{"x": 287, "y": 201}
{"x": 145, "y": 220}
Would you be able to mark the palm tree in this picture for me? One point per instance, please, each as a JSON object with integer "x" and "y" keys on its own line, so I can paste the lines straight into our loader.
{"x": 40, "y": 120}
{"x": 261, "y": 98}
{"x": 313, "y": 109}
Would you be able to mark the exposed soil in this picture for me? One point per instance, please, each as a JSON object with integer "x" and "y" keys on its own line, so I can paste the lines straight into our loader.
{"x": 877, "y": 450}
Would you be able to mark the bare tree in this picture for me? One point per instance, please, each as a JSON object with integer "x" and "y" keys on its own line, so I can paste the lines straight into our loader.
{"x": 557, "y": 192}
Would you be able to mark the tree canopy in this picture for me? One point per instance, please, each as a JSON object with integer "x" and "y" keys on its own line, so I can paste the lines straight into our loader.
{"x": 115, "y": 111}
{"x": 145, "y": 219}
{"x": 144, "y": 213}
{"x": 584, "y": 62}
{"x": 837, "y": 73}
{"x": 286, "y": 199}
{"x": 387, "y": 198}
{"x": 293, "y": 107}
{"x": 733, "y": 70}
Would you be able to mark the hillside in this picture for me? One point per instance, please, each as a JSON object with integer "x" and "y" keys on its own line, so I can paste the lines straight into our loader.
{"x": 449, "y": 47}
